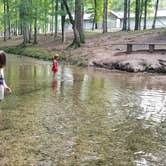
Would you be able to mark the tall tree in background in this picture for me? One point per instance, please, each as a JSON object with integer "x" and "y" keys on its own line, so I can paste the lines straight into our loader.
{"x": 125, "y": 16}
{"x": 45, "y": 16}
{"x": 105, "y": 10}
{"x": 52, "y": 12}
{"x": 63, "y": 22}
{"x": 79, "y": 14}
{"x": 95, "y": 9}
{"x": 30, "y": 11}
{"x": 128, "y": 15}
{"x": 35, "y": 24}
{"x": 155, "y": 15}
{"x": 56, "y": 18}
{"x": 137, "y": 14}
{"x": 94, "y": 25}
{"x": 8, "y": 18}
{"x": 4, "y": 20}
{"x": 145, "y": 13}
{"x": 15, "y": 24}
{"x": 76, "y": 40}
{"x": 24, "y": 18}
{"x": 141, "y": 12}
{"x": 24, "y": 22}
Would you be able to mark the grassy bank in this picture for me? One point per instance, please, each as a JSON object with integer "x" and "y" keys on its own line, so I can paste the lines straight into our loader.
{"x": 46, "y": 55}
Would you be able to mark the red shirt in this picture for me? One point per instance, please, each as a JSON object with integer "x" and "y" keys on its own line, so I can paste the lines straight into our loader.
{"x": 55, "y": 66}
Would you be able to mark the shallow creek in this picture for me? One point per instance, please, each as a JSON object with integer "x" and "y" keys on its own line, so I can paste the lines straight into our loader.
{"x": 83, "y": 117}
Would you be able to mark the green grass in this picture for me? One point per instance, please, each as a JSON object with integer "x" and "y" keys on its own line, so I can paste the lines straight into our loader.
{"x": 38, "y": 53}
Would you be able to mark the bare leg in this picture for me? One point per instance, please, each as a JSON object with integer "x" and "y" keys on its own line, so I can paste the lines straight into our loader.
{"x": 1, "y": 120}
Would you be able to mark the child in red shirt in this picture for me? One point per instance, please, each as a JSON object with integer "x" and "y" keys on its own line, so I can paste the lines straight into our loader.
{"x": 55, "y": 64}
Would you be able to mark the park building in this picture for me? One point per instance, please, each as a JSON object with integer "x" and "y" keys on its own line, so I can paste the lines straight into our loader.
{"x": 116, "y": 18}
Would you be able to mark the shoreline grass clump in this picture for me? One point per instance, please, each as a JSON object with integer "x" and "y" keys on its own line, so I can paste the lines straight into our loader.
{"x": 46, "y": 55}
{"x": 30, "y": 52}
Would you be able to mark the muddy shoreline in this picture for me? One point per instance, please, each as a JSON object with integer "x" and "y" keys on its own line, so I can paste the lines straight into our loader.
{"x": 100, "y": 50}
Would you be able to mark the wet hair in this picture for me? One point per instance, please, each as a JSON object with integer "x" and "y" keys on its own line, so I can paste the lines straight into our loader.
{"x": 2, "y": 59}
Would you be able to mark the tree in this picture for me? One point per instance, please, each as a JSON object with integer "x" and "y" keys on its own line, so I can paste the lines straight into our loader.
{"x": 15, "y": 19}
{"x": 76, "y": 40}
{"x": 95, "y": 16}
{"x": 35, "y": 26}
{"x": 145, "y": 13}
{"x": 141, "y": 12}
{"x": 56, "y": 18}
{"x": 125, "y": 16}
{"x": 63, "y": 23}
{"x": 26, "y": 15}
{"x": 4, "y": 4}
{"x": 128, "y": 15}
{"x": 155, "y": 15}
{"x": 8, "y": 18}
{"x": 30, "y": 20}
{"x": 79, "y": 12}
{"x": 95, "y": 8}
{"x": 137, "y": 14}
{"x": 105, "y": 5}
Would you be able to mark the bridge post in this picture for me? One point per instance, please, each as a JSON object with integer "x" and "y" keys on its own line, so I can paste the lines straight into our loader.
{"x": 151, "y": 48}
{"x": 129, "y": 48}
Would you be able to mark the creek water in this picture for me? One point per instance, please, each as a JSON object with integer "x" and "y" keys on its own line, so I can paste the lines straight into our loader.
{"x": 83, "y": 117}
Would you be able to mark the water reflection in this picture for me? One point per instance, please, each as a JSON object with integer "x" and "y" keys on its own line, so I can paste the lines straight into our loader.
{"x": 54, "y": 85}
{"x": 153, "y": 103}
{"x": 83, "y": 117}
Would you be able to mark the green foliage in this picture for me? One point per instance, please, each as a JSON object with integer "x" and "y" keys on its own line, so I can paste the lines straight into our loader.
{"x": 117, "y": 5}
{"x": 90, "y": 9}
{"x": 34, "y": 52}
{"x": 25, "y": 11}
{"x": 162, "y": 4}
{"x": 30, "y": 52}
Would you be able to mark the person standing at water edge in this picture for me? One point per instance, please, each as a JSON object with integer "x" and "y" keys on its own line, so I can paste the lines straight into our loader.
{"x": 3, "y": 86}
{"x": 55, "y": 64}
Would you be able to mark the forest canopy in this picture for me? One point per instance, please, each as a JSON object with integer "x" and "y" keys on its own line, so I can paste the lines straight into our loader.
{"x": 31, "y": 17}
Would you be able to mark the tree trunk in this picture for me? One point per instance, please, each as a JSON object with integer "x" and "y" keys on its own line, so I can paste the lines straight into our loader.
{"x": 63, "y": 23}
{"x": 45, "y": 15}
{"x": 137, "y": 14}
{"x": 30, "y": 33}
{"x": 125, "y": 16}
{"x": 15, "y": 22}
{"x": 52, "y": 18}
{"x": 24, "y": 35}
{"x": 24, "y": 22}
{"x": 79, "y": 19}
{"x": 155, "y": 15}
{"x": 8, "y": 19}
{"x": 145, "y": 13}
{"x": 35, "y": 27}
{"x": 141, "y": 12}
{"x": 4, "y": 3}
{"x": 94, "y": 25}
{"x": 30, "y": 23}
{"x": 128, "y": 15}
{"x": 105, "y": 5}
{"x": 76, "y": 40}
{"x": 56, "y": 19}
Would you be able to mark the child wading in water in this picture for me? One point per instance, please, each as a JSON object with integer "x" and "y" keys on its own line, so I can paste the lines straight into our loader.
{"x": 3, "y": 86}
{"x": 55, "y": 64}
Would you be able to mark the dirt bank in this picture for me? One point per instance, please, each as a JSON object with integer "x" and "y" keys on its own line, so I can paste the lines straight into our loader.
{"x": 99, "y": 51}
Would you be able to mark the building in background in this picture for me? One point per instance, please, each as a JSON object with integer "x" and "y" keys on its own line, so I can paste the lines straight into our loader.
{"x": 116, "y": 19}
